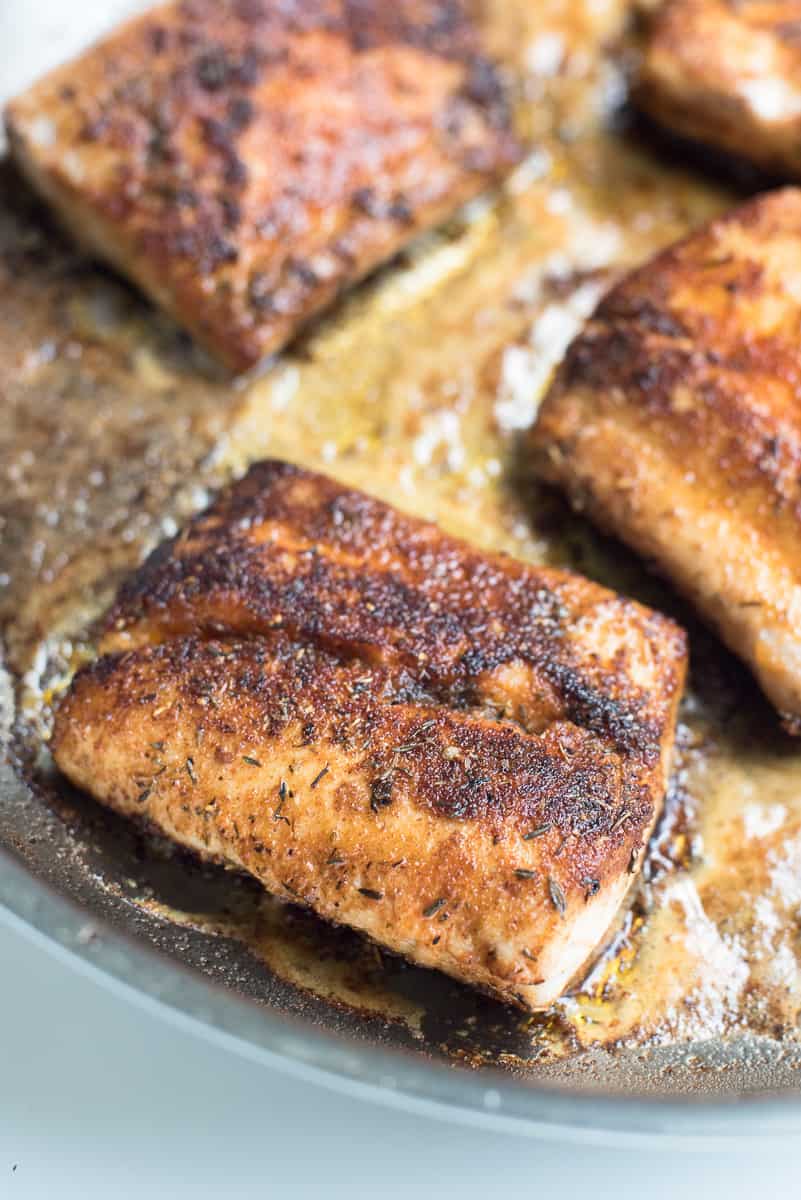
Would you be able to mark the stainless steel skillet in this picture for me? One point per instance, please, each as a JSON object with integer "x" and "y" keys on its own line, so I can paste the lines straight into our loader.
{"x": 71, "y": 872}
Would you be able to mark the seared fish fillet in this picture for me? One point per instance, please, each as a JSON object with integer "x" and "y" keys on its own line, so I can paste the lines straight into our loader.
{"x": 458, "y": 754}
{"x": 675, "y": 421}
{"x": 728, "y": 73}
{"x": 244, "y": 161}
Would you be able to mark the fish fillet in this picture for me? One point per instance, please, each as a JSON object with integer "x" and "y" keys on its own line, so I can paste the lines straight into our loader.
{"x": 728, "y": 74}
{"x": 460, "y": 755}
{"x": 244, "y": 161}
{"x": 675, "y": 421}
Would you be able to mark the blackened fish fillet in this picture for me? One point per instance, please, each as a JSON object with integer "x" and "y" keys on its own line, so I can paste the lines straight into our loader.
{"x": 458, "y": 754}
{"x": 244, "y": 163}
{"x": 728, "y": 74}
{"x": 675, "y": 421}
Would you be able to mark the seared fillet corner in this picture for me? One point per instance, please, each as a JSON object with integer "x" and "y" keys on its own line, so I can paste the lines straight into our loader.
{"x": 245, "y": 162}
{"x": 459, "y": 755}
{"x": 729, "y": 74}
{"x": 675, "y": 420}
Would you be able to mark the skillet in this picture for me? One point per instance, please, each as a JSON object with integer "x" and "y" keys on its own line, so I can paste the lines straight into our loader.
{"x": 119, "y": 427}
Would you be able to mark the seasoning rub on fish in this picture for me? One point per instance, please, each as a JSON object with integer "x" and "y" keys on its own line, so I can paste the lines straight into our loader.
{"x": 675, "y": 421}
{"x": 244, "y": 161}
{"x": 456, "y": 753}
{"x": 728, "y": 74}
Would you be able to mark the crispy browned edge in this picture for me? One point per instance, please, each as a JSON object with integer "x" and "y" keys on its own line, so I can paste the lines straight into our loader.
{"x": 694, "y": 58}
{"x": 370, "y": 586}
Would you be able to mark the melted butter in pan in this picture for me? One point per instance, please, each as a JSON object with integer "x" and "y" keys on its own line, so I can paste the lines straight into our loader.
{"x": 416, "y": 388}
{"x": 334, "y": 964}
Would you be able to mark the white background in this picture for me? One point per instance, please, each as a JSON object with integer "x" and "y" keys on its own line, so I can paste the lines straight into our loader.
{"x": 101, "y": 1100}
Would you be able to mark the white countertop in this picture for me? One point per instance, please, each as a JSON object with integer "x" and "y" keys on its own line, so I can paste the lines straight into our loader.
{"x": 100, "y": 1100}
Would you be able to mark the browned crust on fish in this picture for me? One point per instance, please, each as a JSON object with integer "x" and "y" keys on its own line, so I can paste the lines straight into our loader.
{"x": 729, "y": 74}
{"x": 484, "y": 744}
{"x": 292, "y": 550}
{"x": 244, "y": 161}
{"x": 675, "y": 421}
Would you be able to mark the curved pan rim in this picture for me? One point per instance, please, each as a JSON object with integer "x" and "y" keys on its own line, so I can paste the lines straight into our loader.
{"x": 136, "y": 972}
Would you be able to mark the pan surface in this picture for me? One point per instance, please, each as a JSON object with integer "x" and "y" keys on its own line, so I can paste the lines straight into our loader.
{"x": 416, "y": 388}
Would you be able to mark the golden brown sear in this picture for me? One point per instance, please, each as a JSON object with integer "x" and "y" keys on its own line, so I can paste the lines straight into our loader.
{"x": 675, "y": 421}
{"x": 728, "y": 73}
{"x": 458, "y": 754}
{"x": 244, "y": 161}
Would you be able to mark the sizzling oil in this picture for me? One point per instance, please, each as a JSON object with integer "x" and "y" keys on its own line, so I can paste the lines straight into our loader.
{"x": 417, "y": 389}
